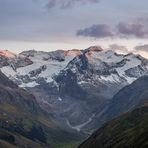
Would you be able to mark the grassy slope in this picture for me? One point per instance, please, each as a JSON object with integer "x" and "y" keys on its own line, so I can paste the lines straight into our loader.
{"x": 17, "y": 121}
{"x": 19, "y": 124}
{"x": 14, "y": 140}
{"x": 129, "y": 130}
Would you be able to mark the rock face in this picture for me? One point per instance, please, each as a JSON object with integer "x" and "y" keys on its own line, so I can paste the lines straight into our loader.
{"x": 75, "y": 86}
{"x": 13, "y": 61}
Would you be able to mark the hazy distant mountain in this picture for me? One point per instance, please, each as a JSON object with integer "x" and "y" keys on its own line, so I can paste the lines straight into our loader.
{"x": 129, "y": 97}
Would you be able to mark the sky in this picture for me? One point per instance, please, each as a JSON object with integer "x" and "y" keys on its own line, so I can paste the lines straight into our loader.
{"x": 67, "y": 24}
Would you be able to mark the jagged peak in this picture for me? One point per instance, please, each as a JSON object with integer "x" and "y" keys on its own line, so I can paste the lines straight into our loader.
{"x": 73, "y": 52}
{"x": 7, "y": 54}
{"x": 129, "y": 54}
{"x": 93, "y": 49}
{"x": 28, "y": 52}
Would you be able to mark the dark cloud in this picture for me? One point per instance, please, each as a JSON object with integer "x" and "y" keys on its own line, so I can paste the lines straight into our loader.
{"x": 143, "y": 19}
{"x": 67, "y": 3}
{"x": 121, "y": 30}
{"x": 96, "y": 31}
{"x": 132, "y": 29}
{"x": 142, "y": 48}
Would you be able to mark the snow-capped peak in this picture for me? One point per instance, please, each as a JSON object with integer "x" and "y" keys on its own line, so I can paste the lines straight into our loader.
{"x": 92, "y": 49}
{"x": 73, "y": 52}
{"x": 107, "y": 65}
{"x": 7, "y": 54}
{"x": 39, "y": 66}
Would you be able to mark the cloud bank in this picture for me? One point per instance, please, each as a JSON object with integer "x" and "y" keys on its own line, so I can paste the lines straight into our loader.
{"x": 121, "y": 30}
{"x": 137, "y": 30}
{"x": 142, "y": 48}
{"x": 63, "y": 4}
{"x": 96, "y": 31}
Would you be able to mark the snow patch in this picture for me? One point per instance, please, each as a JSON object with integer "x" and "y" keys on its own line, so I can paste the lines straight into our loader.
{"x": 30, "y": 84}
{"x": 60, "y": 99}
{"x": 7, "y": 54}
{"x": 110, "y": 78}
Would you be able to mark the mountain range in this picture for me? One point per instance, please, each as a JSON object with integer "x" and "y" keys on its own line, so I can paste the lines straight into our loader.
{"x": 75, "y": 91}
